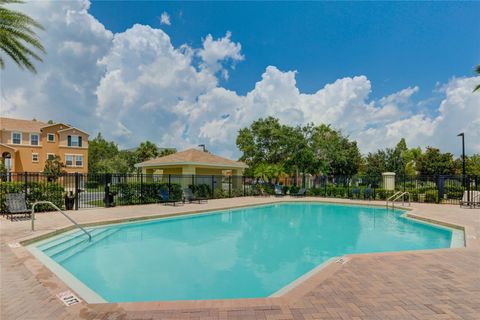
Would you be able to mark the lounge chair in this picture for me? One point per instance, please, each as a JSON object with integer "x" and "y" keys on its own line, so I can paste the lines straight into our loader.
{"x": 16, "y": 204}
{"x": 473, "y": 201}
{"x": 278, "y": 191}
{"x": 300, "y": 193}
{"x": 190, "y": 197}
{"x": 355, "y": 193}
{"x": 166, "y": 199}
{"x": 367, "y": 194}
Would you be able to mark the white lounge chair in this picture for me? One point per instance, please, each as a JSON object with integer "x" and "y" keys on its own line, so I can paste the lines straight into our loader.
{"x": 471, "y": 200}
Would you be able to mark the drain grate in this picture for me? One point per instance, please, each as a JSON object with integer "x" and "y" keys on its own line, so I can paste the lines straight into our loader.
{"x": 68, "y": 298}
{"x": 341, "y": 260}
{"x": 14, "y": 245}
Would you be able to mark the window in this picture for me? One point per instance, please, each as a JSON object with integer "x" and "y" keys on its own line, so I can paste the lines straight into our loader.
{"x": 50, "y": 137}
{"x": 79, "y": 161}
{"x": 34, "y": 139}
{"x": 68, "y": 160}
{"x": 16, "y": 138}
{"x": 74, "y": 141}
{"x": 34, "y": 157}
{"x": 50, "y": 156}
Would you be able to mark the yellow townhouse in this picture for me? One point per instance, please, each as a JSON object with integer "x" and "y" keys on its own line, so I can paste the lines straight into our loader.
{"x": 25, "y": 145}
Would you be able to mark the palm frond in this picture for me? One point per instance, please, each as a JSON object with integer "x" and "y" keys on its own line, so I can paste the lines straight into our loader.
{"x": 17, "y": 36}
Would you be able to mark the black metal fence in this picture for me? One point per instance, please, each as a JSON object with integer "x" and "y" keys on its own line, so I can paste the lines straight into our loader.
{"x": 78, "y": 191}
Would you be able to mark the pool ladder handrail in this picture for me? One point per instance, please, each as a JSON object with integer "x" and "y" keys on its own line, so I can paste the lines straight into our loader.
{"x": 397, "y": 196}
{"x": 59, "y": 210}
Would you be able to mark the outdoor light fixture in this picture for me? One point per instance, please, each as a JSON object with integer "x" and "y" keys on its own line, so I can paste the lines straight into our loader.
{"x": 203, "y": 147}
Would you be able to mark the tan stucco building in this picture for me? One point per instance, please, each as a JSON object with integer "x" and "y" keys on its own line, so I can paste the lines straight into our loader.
{"x": 25, "y": 145}
{"x": 192, "y": 162}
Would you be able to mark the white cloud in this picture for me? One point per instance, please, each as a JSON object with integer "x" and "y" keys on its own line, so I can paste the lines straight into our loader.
{"x": 135, "y": 85}
{"x": 215, "y": 52}
{"x": 165, "y": 19}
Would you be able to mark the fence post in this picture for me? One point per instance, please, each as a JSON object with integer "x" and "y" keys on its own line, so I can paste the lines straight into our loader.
{"x": 141, "y": 188}
{"x": 467, "y": 180}
{"x": 193, "y": 182}
{"x": 25, "y": 187}
{"x": 77, "y": 187}
{"x": 213, "y": 184}
{"x": 169, "y": 184}
{"x": 243, "y": 184}
{"x": 229, "y": 186}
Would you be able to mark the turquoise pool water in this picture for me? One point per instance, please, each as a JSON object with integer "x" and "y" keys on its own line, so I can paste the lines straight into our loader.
{"x": 248, "y": 252}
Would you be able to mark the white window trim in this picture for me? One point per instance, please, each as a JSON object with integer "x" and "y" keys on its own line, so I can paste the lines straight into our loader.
{"x": 38, "y": 157}
{"x": 21, "y": 137}
{"x": 51, "y": 134}
{"x": 30, "y": 138}
{"x": 51, "y": 154}
{"x": 73, "y": 160}
{"x": 83, "y": 160}
{"x": 78, "y": 140}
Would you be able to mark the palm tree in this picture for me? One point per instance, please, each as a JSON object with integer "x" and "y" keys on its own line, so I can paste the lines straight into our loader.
{"x": 17, "y": 37}
{"x": 477, "y": 88}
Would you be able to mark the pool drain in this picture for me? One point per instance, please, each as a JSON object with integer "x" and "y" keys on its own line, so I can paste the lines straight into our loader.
{"x": 68, "y": 298}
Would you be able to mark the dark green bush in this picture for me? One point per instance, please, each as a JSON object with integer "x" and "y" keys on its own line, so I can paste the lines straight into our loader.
{"x": 146, "y": 192}
{"x": 36, "y": 191}
{"x": 201, "y": 190}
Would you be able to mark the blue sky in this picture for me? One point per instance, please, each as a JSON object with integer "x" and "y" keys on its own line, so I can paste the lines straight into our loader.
{"x": 395, "y": 45}
{"x": 377, "y": 71}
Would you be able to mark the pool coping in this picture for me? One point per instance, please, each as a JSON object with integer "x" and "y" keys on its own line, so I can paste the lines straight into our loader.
{"x": 297, "y": 290}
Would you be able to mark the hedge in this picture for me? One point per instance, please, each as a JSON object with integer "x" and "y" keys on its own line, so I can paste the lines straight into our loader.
{"x": 36, "y": 191}
{"x": 146, "y": 192}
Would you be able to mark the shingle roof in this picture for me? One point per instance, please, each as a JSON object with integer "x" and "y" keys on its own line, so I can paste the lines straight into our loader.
{"x": 11, "y": 124}
{"x": 192, "y": 156}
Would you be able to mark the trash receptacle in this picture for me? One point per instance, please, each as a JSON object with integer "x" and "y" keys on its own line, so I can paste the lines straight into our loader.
{"x": 109, "y": 197}
{"x": 69, "y": 200}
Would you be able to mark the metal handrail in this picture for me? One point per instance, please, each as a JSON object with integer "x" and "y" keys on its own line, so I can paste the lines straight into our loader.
{"x": 403, "y": 199}
{"x": 59, "y": 210}
{"x": 393, "y": 196}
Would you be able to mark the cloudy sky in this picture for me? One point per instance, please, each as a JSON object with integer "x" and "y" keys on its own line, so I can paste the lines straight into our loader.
{"x": 180, "y": 74}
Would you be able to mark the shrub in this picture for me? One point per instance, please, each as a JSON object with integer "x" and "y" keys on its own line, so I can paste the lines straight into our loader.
{"x": 294, "y": 189}
{"x": 146, "y": 192}
{"x": 36, "y": 191}
{"x": 201, "y": 190}
{"x": 220, "y": 193}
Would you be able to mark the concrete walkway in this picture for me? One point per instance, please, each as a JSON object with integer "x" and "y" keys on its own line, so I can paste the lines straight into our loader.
{"x": 433, "y": 284}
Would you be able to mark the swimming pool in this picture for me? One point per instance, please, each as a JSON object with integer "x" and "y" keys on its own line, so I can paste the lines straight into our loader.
{"x": 240, "y": 253}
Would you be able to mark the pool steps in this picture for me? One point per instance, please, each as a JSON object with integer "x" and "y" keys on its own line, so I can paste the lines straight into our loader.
{"x": 61, "y": 249}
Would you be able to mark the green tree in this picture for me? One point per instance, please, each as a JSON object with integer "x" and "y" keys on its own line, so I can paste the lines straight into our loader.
{"x": 100, "y": 155}
{"x": 166, "y": 152}
{"x": 18, "y": 39}
{"x": 434, "y": 162}
{"x": 472, "y": 165}
{"x": 376, "y": 163}
{"x": 334, "y": 151}
{"x": 265, "y": 141}
{"x": 410, "y": 158}
{"x": 146, "y": 150}
{"x": 54, "y": 168}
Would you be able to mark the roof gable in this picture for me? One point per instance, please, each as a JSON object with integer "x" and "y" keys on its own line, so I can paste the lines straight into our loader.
{"x": 21, "y": 125}
{"x": 192, "y": 156}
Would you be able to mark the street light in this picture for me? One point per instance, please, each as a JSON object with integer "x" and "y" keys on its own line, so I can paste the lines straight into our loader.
{"x": 463, "y": 152}
{"x": 203, "y": 147}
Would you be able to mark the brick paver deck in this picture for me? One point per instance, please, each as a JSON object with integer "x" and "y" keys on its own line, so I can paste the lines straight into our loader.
{"x": 433, "y": 284}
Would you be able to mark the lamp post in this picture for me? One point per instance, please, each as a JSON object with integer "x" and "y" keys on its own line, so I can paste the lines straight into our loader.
{"x": 203, "y": 147}
{"x": 463, "y": 152}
